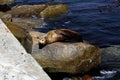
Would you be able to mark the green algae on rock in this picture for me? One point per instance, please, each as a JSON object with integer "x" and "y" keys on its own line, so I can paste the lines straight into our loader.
{"x": 5, "y": 16}
{"x": 54, "y": 10}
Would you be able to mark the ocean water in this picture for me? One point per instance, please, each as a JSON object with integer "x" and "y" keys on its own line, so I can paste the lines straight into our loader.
{"x": 98, "y": 28}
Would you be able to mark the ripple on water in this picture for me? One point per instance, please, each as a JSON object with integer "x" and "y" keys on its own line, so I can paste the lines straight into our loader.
{"x": 106, "y": 75}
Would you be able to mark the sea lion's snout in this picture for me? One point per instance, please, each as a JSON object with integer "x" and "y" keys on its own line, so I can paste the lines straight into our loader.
{"x": 42, "y": 43}
{"x": 42, "y": 40}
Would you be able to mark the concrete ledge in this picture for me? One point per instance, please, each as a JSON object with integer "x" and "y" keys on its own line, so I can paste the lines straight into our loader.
{"x": 15, "y": 63}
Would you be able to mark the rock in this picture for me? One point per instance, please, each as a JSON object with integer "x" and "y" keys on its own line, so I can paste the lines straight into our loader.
{"x": 73, "y": 58}
{"x": 19, "y": 32}
{"x": 15, "y": 62}
{"x": 5, "y": 1}
{"x": 68, "y": 57}
{"x": 54, "y": 11}
{"x": 2, "y": 14}
{"x": 32, "y": 41}
{"x": 29, "y": 22}
{"x": 111, "y": 57}
{"x": 26, "y": 10}
{"x": 42, "y": 10}
{"x": 5, "y": 17}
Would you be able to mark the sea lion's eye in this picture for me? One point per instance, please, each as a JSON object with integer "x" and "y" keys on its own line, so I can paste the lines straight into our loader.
{"x": 42, "y": 40}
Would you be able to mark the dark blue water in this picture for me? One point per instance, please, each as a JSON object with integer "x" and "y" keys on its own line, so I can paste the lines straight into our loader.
{"x": 98, "y": 28}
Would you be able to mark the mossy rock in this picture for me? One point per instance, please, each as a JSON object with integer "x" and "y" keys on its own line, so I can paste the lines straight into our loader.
{"x": 54, "y": 11}
{"x": 6, "y": 17}
{"x": 18, "y": 31}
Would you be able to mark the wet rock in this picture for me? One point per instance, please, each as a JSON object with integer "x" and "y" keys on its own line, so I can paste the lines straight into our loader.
{"x": 6, "y": 17}
{"x": 32, "y": 41}
{"x": 111, "y": 57}
{"x": 19, "y": 32}
{"x": 42, "y": 10}
{"x": 68, "y": 57}
{"x": 29, "y": 22}
{"x": 15, "y": 63}
{"x": 26, "y": 10}
{"x": 5, "y": 1}
{"x": 73, "y": 58}
{"x": 54, "y": 11}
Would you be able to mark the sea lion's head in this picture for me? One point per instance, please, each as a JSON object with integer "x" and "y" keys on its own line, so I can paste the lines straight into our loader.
{"x": 42, "y": 40}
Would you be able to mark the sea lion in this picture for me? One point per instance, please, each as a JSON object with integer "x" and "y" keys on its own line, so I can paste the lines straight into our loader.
{"x": 60, "y": 35}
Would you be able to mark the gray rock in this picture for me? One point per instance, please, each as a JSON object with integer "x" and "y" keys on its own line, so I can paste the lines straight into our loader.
{"x": 111, "y": 57}
{"x": 65, "y": 57}
{"x": 31, "y": 43}
{"x": 15, "y": 63}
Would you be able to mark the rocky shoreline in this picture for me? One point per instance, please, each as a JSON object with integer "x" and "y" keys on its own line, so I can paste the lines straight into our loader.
{"x": 59, "y": 57}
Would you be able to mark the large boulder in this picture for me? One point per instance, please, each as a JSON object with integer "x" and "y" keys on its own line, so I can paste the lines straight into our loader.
{"x": 31, "y": 42}
{"x": 18, "y": 31}
{"x": 68, "y": 57}
{"x": 26, "y": 10}
{"x": 73, "y": 58}
{"x": 54, "y": 11}
{"x": 5, "y": 17}
{"x": 111, "y": 57}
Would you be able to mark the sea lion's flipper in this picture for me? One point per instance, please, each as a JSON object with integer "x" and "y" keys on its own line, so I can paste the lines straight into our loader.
{"x": 69, "y": 35}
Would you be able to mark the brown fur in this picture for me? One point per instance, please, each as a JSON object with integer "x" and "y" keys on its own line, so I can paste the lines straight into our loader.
{"x": 61, "y": 35}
